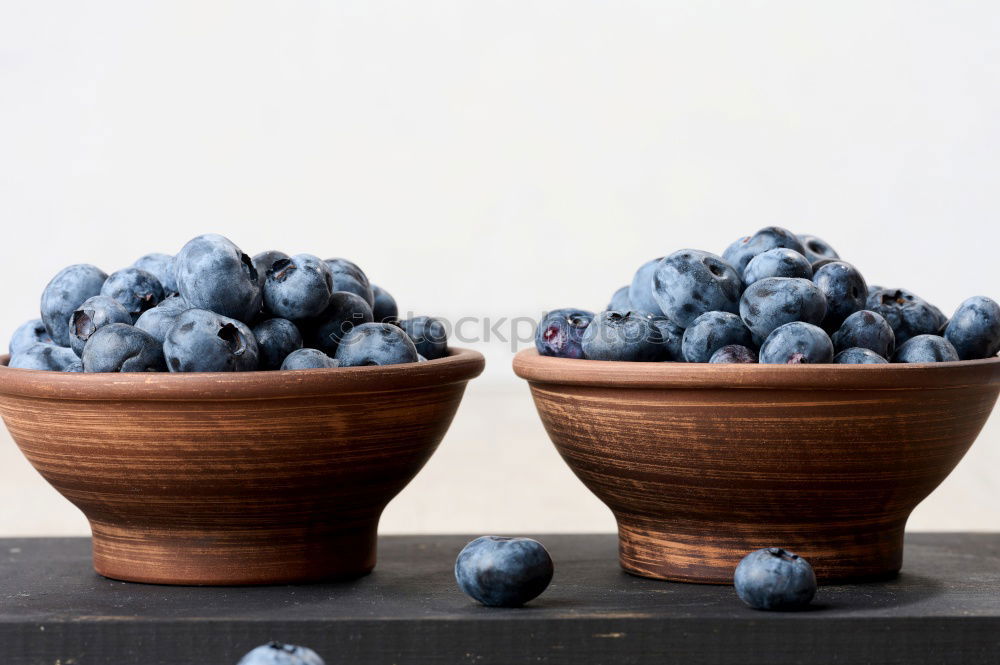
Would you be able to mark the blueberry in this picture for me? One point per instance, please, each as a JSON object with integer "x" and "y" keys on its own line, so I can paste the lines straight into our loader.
{"x": 347, "y": 276}
{"x": 690, "y": 282}
{"x": 925, "y": 349}
{"x": 429, "y": 336}
{"x": 376, "y": 344}
{"x": 672, "y": 336}
{"x": 620, "y": 300}
{"x": 816, "y": 265}
{"x": 908, "y": 314}
{"x": 276, "y": 653}
{"x": 857, "y": 355}
{"x": 174, "y": 303}
{"x": 640, "y": 291}
{"x": 67, "y": 291}
{"x": 560, "y": 332}
{"x": 137, "y": 290}
{"x": 262, "y": 263}
{"x": 44, "y": 356}
{"x": 774, "y": 579}
{"x": 308, "y": 359}
{"x": 75, "y": 366}
{"x": 777, "y": 262}
{"x": 872, "y": 288}
{"x": 158, "y": 321}
{"x": 974, "y": 329}
{"x": 27, "y": 334}
{"x": 213, "y": 274}
{"x": 503, "y": 572}
{"x": 816, "y": 249}
{"x": 92, "y": 315}
{"x": 710, "y": 332}
{"x": 384, "y": 308}
{"x": 845, "y": 291}
{"x": 160, "y": 266}
{"x": 276, "y": 339}
{"x": 797, "y": 343}
{"x": 868, "y": 330}
{"x": 775, "y": 301}
{"x": 345, "y": 311}
{"x": 743, "y": 250}
{"x": 298, "y": 288}
{"x": 627, "y": 336}
{"x": 203, "y": 341}
{"x": 120, "y": 347}
{"x": 734, "y": 353}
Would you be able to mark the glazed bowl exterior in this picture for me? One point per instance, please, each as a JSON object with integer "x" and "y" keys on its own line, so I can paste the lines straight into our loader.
{"x": 703, "y": 463}
{"x": 234, "y": 478}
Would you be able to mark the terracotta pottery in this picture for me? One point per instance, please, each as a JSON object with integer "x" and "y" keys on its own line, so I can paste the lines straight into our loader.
{"x": 701, "y": 464}
{"x": 245, "y": 478}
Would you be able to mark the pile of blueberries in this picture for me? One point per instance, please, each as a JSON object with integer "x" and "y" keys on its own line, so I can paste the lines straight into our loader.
{"x": 773, "y": 297}
{"x": 212, "y": 308}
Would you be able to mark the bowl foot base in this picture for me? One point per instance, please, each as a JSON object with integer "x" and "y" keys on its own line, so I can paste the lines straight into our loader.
{"x": 285, "y": 555}
{"x": 708, "y": 553}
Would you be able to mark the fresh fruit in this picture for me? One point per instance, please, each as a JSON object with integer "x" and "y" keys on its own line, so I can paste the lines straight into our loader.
{"x": 774, "y": 579}
{"x": 734, "y": 353}
{"x": 160, "y": 266}
{"x": 740, "y": 253}
{"x": 797, "y": 343}
{"x": 28, "y": 333}
{"x": 429, "y": 335}
{"x": 925, "y": 349}
{"x": 262, "y": 263}
{"x": 710, "y": 332}
{"x": 857, "y": 355}
{"x": 67, "y": 291}
{"x": 816, "y": 249}
{"x": 75, "y": 366}
{"x": 376, "y": 344}
{"x": 908, "y": 314}
{"x": 775, "y": 301}
{"x": 120, "y": 347}
{"x": 672, "y": 336}
{"x": 214, "y": 274}
{"x": 844, "y": 289}
{"x": 690, "y": 282}
{"x": 974, "y": 328}
{"x": 158, "y": 321}
{"x": 503, "y": 572}
{"x": 276, "y": 339}
{"x": 298, "y": 287}
{"x": 44, "y": 356}
{"x": 308, "y": 359}
{"x": 345, "y": 311}
{"x": 868, "y": 330}
{"x": 204, "y": 341}
{"x": 95, "y": 313}
{"x": 620, "y": 300}
{"x": 560, "y": 332}
{"x": 384, "y": 307}
{"x": 137, "y": 290}
{"x": 347, "y": 276}
{"x": 630, "y": 336}
{"x": 640, "y": 291}
{"x": 276, "y": 653}
{"x": 777, "y": 262}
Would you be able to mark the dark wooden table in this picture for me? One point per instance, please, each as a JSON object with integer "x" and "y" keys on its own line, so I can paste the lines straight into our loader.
{"x": 944, "y": 608}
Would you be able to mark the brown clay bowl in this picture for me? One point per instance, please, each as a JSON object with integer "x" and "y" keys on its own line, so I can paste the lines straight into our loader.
{"x": 701, "y": 464}
{"x": 248, "y": 478}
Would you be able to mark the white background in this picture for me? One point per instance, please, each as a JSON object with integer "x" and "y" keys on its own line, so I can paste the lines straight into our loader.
{"x": 496, "y": 159}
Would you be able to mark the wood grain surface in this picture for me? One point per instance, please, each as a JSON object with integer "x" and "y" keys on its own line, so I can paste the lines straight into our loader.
{"x": 251, "y": 478}
{"x": 701, "y": 464}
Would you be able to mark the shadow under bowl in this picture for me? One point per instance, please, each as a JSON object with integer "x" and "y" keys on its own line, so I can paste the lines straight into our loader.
{"x": 701, "y": 463}
{"x": 234, "y": 478}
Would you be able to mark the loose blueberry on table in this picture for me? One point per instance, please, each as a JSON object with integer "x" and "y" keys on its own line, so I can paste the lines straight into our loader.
{"x": 773, "y": 297}
{"x": 276, "y": 653}
{"x": 211, "y": 308}
{"x": 503, "y": 572}
{"x": 774, "y": 579}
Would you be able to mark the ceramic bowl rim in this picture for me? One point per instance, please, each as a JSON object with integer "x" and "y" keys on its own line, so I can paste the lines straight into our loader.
{"x": 459, "y": 365}
{"x": 539, "y": 369}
